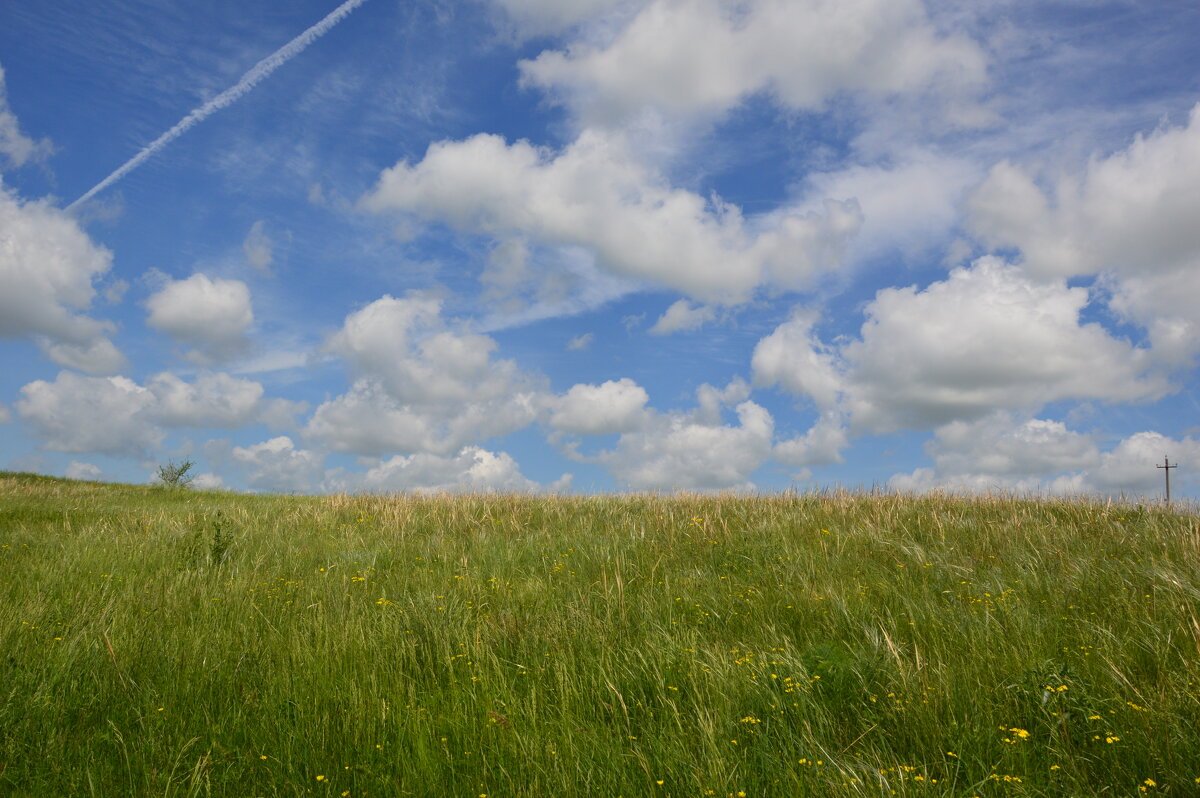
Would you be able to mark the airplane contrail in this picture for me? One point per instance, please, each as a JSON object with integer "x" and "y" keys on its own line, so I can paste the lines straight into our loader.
{"x": 251, "y": 79}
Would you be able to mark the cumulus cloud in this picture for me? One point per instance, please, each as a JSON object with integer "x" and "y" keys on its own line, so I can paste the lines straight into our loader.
{"x": 1003, "y": 453}
{"x": 208, "y": 481}
{"x": 258, "y": 247}
{"x": 692, "y": 450}
{"x": 678, "y": 450}
{"x": 596, "y": 195}
{"x": 419, "y": 387}
{"x": 47, "y": 268}
{"x": 682, "y": 316}
{"x": 1133, "y": 210}
{"x": 104, "y": 415}
{"x": 471, "y": 470}
{"x": 987, "y": 338}
{"x": 821, "y": 445}
{"x": 688, "y": 57}
{"x": 216, "y": 400}
{"x": 97, "y": 356}
{"x": 14, "y": 145}
{"x": 1130, "y": 215}
{"x": 210, "y": 315}
{"x": 997, "y": 445}
{"x": 1165, "y": 305}
{"x": 84, "y": 471}
{"x": 115, "y": 415}
{"x": 910, "y": 204}
{"x": 611, "y": 407}
{"x": 276, "y": 465}
{"x": 1129, "y": 468}
{"x": 367, "y": 421}
{"x": 685, "y": 452}
{"x": 795, "y": 359}
{"x": 1000, "y": 453}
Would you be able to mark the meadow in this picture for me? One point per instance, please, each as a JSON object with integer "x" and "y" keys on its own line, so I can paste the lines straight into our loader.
{"x": 182, "y": 642}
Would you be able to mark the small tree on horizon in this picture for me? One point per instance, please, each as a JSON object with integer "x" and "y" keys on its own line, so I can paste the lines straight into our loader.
{"x": 174, "y": 475}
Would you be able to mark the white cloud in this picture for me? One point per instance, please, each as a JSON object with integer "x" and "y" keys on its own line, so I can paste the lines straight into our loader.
{"x": 17, "y": 147}
{"x": 114, "y": 415}
{"x": 471, "y": 470}
{"x": 1000, "y": 453}
{"x": 580, "y": 342}
{"x": 84, "y": 471}
{"x": 986, "y": 338}
{"x": 258, "y": 247}
{"x": 710, "y": 400}
{"x": 105, "y": 415}
{"x": 686, "y": 57}
{"x": 420, "y": 387}
{"x": 595, "y": 195}
{"x": 208, "y": 481}
{"x": 1130, "y": 215}
{"x": 821, "y": 445}
{"x": 216, "y": 400}
{"x": 526, "y": 283}
{"x": 1132, "y": 211}
{"x": 679, "y": 453}
{"x": 403, "y": 343}
{"x": 1166, "y": 306}
{"x": 611, "y": 407}
{"x": 366, "y": 420}
{"x": 47, "y": 267}
{"x": 682, "y": 316}
{"x": 210, "y": 315}
{"x": 97, "y": 356}
{"x": 998, "y": 445}
{"x": 1130, "y": 468}
{"x": 911, "y": 204}
{"x": 213, "y": 400}
{"x": 793, "y": 358}
{"x": 5, "y": 415}
{"x": 276, "y": 465}
{"x": 695, "y": 451}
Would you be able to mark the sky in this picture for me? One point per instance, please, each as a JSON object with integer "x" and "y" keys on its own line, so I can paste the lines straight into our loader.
{"x": 603, "y": 245}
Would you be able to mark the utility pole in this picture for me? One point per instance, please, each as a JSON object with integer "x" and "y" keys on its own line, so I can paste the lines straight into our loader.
{"x": 1166, "y": 467}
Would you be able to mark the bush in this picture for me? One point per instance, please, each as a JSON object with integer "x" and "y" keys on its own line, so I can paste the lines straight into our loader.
{"x": 174, "y": 475}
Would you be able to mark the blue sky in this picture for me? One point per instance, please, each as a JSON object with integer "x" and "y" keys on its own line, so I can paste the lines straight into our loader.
{"x": 603, "y": 245}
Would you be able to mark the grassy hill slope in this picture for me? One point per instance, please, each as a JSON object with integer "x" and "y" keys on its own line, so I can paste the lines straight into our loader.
{"x": 160, "y": 642}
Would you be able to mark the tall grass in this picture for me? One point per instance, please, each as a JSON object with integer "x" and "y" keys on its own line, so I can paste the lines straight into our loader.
{"x": 190, "y": 643}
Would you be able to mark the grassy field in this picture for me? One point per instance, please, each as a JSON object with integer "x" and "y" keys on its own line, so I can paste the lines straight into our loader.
{"x": 160, "y": 642}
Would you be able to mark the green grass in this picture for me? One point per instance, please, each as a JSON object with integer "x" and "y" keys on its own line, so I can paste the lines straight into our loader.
{"x": 159, "y": 642}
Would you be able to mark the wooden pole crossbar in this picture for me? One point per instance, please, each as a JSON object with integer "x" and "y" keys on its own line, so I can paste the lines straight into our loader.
{"x": 1166, "y": 467}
